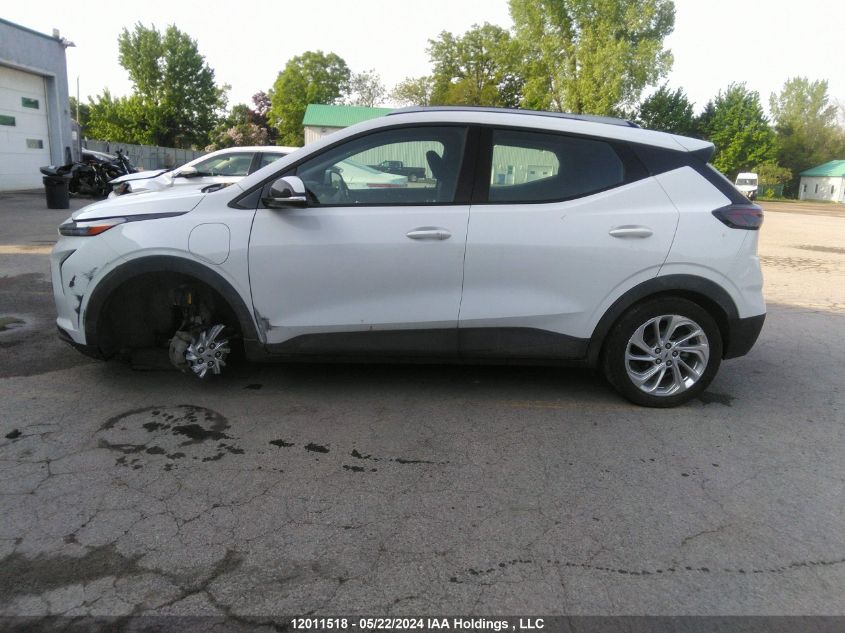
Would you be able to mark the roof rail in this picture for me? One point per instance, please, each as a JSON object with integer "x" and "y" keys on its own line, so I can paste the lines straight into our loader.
{"x": 592, "y": 118}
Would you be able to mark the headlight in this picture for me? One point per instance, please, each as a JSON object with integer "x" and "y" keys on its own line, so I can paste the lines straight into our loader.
{"x": 89, "y": 229}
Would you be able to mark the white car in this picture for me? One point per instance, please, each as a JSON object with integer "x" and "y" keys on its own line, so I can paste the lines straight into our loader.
{"x": 224, "y": 166}
{"x": 539, "y": 238}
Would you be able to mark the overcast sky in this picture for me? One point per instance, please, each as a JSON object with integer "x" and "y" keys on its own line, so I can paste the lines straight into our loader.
{"x": 761, "y": 42}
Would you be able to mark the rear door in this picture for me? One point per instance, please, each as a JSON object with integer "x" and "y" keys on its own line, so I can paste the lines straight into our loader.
{"x": 559, "y": 227}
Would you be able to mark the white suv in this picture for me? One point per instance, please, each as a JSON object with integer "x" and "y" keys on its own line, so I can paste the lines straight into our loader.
{"x": 533, "y": 237}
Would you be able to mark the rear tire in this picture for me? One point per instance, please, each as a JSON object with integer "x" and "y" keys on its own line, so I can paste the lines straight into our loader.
{"x": 662, "y": 352}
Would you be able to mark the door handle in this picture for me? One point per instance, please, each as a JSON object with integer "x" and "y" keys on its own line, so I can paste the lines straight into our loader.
{"x": 429, "y": 233}
{"x": 630, "y": 231}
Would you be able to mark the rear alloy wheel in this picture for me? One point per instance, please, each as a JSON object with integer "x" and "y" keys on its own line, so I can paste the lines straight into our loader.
{"x": 663, "y": 352}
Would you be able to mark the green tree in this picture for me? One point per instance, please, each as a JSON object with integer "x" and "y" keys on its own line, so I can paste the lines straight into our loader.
{"x": 241, "y": 127}
{"x": 366, "y": 89}
{"x": 175, "y": 101}
{"x": 772, "y": 174}
{"x": 413, "y": 91}
{"x": 480, "y": 67}
{"x": 805, "y": 122}
{"x": 313, "y": 77}
{"x": 118, "y": 119}
{"x": 591, "y": 56}
{"x": 740, "y": 131}
{"x": 668, "y": 111}
{"x": 84, "y": 113}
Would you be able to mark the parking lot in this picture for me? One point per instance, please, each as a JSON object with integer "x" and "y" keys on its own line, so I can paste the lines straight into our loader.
{"x": 289, "y": 489}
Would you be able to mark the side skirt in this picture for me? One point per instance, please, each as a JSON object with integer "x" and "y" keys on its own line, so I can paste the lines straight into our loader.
{"x": 480, "y": 345}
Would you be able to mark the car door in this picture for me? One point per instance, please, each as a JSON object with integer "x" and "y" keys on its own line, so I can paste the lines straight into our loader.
{"x": 560, "y": 227}
{"x": 369, "y": 265}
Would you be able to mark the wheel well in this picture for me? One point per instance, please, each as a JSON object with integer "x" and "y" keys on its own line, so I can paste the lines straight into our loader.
{"x": 145, "y": 310}
{"x": 714, "y": 308}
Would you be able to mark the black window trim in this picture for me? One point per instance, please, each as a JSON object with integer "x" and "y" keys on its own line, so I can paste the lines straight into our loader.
{"x": 633, "y": 167}
{"x": 253, "y": 164}
{"x": 463, "y": 190}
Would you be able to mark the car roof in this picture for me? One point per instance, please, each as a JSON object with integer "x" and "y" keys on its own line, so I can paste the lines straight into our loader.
{"x": 530, "y": 120}
{"x": 595, "y": 118}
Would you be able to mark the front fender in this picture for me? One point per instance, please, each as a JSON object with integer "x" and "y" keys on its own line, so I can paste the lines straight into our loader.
{"x": 166, "y": 263}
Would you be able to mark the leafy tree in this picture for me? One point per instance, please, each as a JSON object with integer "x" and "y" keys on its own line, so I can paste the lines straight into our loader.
{"x": 702, "y": 121}
{"x": 84, "y": 113}
{"x": 772, "y": 174}
{"x": 592, "y": 56}
{"x": 118, "y": 119}
{"x": 740, "y": 131}
{"x": 480, "y": 67}
{"x": 413, "y": 91}
{"x": 240, "y": 127}
{"x": 366, "y": 89}
{"x": 175, "y": 101}
{"x": 245, "y": 126}
{"x": 668, "y": 111}
{"x": 313, "y": 77}
{"x": 806, "y": 125}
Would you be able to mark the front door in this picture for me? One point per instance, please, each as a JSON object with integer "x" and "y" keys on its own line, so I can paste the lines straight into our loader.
{"x": 375, "y": 262}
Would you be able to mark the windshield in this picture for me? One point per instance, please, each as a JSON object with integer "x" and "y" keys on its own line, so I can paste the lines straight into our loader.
{"x": 746, "y": 181}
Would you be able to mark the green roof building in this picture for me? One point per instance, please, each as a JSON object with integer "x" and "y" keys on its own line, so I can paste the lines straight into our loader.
{"x": 824, "y": 182}
{"x": 321, "y": 119}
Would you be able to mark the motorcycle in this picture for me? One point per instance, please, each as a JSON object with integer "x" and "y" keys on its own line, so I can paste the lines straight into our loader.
{"x": 92, "y": 174}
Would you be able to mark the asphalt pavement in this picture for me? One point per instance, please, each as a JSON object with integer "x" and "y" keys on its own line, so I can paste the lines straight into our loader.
{"x": 293, "y": 489}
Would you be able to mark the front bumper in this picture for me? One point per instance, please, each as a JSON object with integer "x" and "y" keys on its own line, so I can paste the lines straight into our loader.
{"x": 91, "y": 351}
{"x": 742, "y": 334}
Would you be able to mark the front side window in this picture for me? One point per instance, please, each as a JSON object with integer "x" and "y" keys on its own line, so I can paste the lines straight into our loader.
{"x": 414, "y": 165}
{"x": 226, "y": 165}
{"x": 535, "y": 167}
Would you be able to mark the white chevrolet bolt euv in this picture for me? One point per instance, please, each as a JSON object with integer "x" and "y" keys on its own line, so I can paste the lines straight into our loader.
{"x": 533, "y": 237}
{"x": 222, "y": 167}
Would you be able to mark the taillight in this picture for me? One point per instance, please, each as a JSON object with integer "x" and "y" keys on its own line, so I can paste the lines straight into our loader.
{"x": 740, "y": 216}
{"x": 89, "y": 229}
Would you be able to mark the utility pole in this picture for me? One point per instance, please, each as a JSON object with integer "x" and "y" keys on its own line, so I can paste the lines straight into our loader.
{"x": 78, "y": 124}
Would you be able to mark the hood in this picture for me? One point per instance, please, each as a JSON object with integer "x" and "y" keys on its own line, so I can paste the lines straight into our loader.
{"x": 141, "y": 175}
{"x": 170, "y": 201}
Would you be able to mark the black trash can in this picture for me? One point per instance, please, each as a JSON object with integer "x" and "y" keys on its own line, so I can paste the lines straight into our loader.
{"x": 56, "y": 188}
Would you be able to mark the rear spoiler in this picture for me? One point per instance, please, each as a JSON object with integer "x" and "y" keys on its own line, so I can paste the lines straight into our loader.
{"x": 702, "y": 150}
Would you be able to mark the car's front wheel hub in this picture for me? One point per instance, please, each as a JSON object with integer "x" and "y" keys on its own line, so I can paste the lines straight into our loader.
{"x": 207, "y": 351}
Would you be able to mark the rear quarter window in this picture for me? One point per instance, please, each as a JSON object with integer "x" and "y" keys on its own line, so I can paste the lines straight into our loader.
{"x": 536, "y": 167}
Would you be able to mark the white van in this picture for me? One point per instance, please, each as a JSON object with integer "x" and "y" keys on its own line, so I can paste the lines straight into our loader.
{"x": 746, "y": 182}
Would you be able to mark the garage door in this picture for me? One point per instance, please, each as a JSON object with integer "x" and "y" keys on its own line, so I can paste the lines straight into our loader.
{"x": 24, "y": 140}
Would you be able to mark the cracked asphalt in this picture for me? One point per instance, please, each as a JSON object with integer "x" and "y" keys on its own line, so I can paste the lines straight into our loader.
{"x": 294, "y": 489}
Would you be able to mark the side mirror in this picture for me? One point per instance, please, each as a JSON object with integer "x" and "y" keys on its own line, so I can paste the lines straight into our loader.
{"x": 285, "y": 193}
{"x": 188, "y": 172}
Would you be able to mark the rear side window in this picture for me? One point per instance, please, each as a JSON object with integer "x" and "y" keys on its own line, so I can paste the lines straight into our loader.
{"x": 534, "y": 167}
{"x": 268, "y": 158}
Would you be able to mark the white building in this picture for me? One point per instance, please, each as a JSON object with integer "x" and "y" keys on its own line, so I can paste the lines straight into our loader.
{"x": 825, "y": 182}
{"x": 35, "y": 125}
